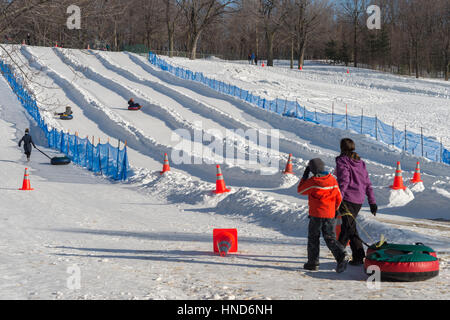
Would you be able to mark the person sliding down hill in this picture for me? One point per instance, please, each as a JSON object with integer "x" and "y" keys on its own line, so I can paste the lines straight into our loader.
{"x": 133, "y": 105}
{"x": 66, "y": 113}
{"x": 324, "y": 198}
{"x": 27, "y": 142}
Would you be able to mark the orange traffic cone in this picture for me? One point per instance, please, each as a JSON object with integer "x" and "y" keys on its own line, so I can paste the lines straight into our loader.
{"x": 416, "y": 178}
{"x": 26, "y": 186}
{"x": 88, "y": 47}
{"x": 398, "y": 179}
{"x": 262, "y": 65}
{"x": 220, "y": 182}
{"x": 225, "y": 241}
{"x": 288, "y": 169}
{"x": 166, "y": 166}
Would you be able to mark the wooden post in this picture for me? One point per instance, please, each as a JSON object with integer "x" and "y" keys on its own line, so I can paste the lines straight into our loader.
{"x": 117, "y": 165}
{"x": 376, "y": 127}
{"x": 296, "y": 108}
{"x": 92, "y": 159}
{"x": 421, "y": 138}
{"x": 332, "y": 114}
{"x": 346, "y": 117}
{"x": 99, "y": 157}
{"x": 362, "y": 119}
{"x": 406, "y": 140}
{"x": 393, "y": 141}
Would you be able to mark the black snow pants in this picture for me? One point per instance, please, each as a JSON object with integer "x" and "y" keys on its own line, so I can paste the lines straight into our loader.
{"x": 327, "y": 226}
{"x": 349, "y": 230}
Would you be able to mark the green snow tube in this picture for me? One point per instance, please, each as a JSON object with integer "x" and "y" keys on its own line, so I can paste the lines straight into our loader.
{"x": 403, "y": 262}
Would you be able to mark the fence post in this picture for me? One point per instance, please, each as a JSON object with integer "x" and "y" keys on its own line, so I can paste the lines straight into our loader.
{"x": 393, "y": 141}
{"x": 421, "y": 138}
{"x": 406, "y": 140}
{"x": 376, "y": 127}
{"x": 92, "y": 159}
{"x": 99, "y": 157}
{"x": 86, "y": 152}
{"x": 76, "y": 148}
{"x": 440, "y": 151}
{"x": 346, "y": 117}
{"x": 285, "y": 106}
{"x": 296, "y": 108}
{"x": 107, "y": 159}
{"x": 332, "y": 114}
{"x": 118, "y": 153}
{"x": 362, "y": 119}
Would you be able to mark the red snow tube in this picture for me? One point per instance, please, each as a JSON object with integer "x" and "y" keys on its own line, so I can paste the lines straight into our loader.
{"x": 402, "y": 262}
{"x": 135, "y": 108}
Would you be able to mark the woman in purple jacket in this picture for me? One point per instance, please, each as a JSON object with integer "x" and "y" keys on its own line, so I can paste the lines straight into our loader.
{"x": 355, "y": 185}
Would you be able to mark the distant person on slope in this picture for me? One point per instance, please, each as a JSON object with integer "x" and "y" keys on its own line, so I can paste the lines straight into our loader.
{"x": 355, "y": 185}
{"x": 253, "y": 57}
{"x": 132, "y": 104}
{"x": 256, "y": 59}
{"x": 249, "y": 58}
{"x": 324, "y": 199}
{"x": 27, "y": 142}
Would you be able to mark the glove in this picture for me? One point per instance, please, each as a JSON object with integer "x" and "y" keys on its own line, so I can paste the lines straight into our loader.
{"x": 373, "y": 209}
{"x": 306, "y": 173}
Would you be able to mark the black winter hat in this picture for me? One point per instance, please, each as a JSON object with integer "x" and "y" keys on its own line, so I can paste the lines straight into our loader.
{"x": 316, "y": 165}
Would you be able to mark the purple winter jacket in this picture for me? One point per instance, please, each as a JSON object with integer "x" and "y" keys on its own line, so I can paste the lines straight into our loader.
{"x": 353, "y": 180}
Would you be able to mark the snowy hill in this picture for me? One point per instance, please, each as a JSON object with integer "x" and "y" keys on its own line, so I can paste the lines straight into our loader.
{"x": 150, "y": 237}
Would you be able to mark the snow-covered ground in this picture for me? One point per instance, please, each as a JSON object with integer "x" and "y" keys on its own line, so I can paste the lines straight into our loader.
{"x": 151, "y": 237}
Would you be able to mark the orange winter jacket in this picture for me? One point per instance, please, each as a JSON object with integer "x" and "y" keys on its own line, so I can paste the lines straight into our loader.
{"x": 324, "y": 196}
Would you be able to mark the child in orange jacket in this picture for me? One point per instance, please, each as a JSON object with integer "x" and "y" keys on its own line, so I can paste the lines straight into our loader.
{"x": 324, "y": 199}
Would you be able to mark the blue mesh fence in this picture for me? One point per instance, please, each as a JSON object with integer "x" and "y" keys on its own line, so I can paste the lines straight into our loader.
{"x": 414, "y": 143}
{"x": 101, "y": 158}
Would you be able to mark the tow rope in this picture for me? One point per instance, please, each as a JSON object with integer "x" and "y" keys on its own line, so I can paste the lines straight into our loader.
{"x": 378, "y": 244}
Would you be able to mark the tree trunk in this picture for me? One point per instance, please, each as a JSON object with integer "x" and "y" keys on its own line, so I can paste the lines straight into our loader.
{"x": 292, "y": 52}
{"x": 171, "y": 41}
{"x": 355, "y": 43}
{"x": 301, "y": 51}
{"x": 269, "y": 41}
{"x": 417, "y": 60}
{"x": 193, "y": 46}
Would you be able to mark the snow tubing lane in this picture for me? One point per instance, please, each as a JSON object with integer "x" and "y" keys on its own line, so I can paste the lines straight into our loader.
{"x": 135, "y": 108}
{"x": 69, "y": 117}
{"x": 57, "y": 161}
{"x": 400, "y": 262}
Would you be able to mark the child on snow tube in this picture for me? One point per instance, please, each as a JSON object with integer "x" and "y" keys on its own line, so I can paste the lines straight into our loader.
{"x": 133, "y": 105}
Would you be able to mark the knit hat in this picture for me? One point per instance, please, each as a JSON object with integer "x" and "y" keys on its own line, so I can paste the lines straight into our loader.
{"x": 27, "y": 130}
{"x": 316, "y": 165}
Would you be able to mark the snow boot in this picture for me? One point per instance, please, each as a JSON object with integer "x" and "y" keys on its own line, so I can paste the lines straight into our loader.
{"x": 356, "y": 262}
{"x": 342, "y": 265}
{"x": 311, "y": 266}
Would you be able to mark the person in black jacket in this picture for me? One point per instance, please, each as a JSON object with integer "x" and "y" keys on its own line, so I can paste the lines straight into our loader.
{"x": 27, "y": 142}
{"x": 132, "y": 104}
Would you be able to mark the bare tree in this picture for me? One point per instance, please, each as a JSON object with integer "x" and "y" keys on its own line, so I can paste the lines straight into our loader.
{"x": 200, "y": 14}
{"x": 272, "y": 13}
{"x": 353, "y": 11}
